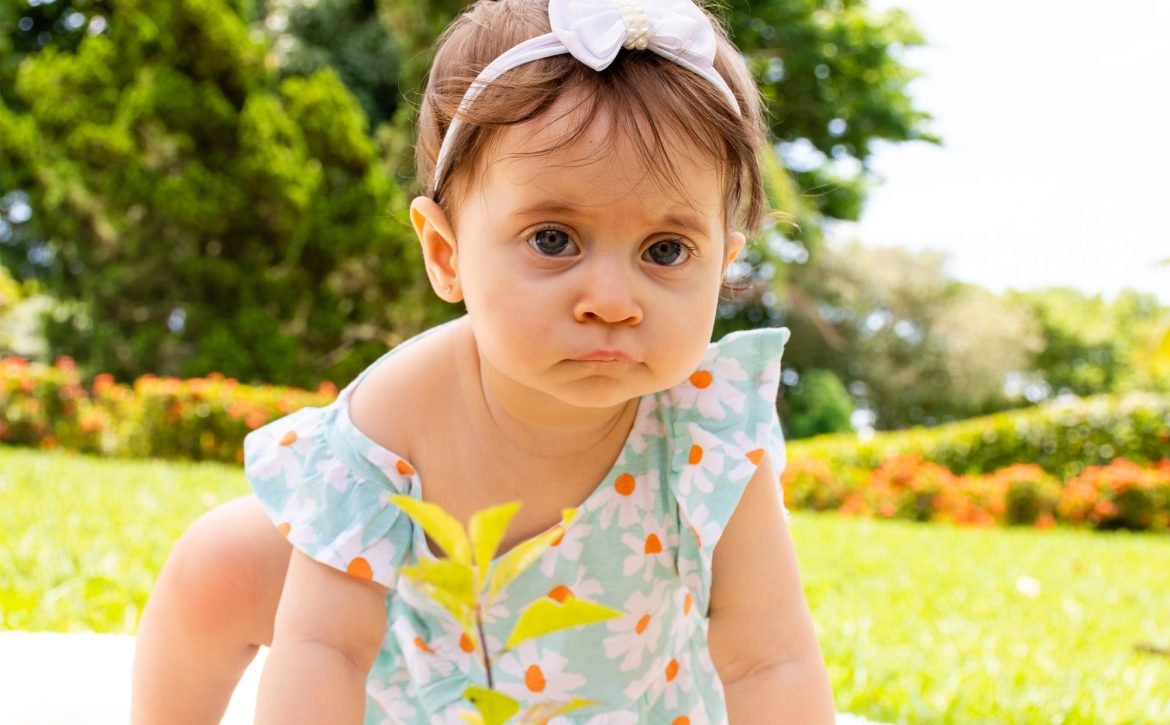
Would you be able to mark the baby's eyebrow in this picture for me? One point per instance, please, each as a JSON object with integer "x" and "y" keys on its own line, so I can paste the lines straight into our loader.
{"x": 673, "y": 217}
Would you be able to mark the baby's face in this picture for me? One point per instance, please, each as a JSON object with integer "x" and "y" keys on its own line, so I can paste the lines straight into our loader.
{"x": 585, "y": 277}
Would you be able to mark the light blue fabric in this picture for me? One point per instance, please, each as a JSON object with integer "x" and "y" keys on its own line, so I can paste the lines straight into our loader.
{"x": 641, "y": 542}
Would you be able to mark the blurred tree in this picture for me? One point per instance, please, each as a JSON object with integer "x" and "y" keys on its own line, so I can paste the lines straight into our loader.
{"x": 347, "y": 35}
{"x": 910, "y": 344}
{"x": 831, "y": 76}
{"x": 10, "y": 292}
{"x": 198, "y": 217}
{"x": 28, "y": 27}
{"x": 834, "y": 82}
{"x": 1091, "y": 346}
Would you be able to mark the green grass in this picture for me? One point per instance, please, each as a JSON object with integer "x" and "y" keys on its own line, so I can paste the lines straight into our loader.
{"x": 82, "y": 539}
{"x": 928, "y": 623}
{"x": 918, "y": 623}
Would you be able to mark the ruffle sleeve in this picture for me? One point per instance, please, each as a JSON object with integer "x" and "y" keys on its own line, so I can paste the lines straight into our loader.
{"x": 723, "y": 418}
{"x": 329, "y": 493}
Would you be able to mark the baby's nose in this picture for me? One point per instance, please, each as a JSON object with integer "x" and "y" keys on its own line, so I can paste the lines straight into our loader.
{"x": 607, "y": 292}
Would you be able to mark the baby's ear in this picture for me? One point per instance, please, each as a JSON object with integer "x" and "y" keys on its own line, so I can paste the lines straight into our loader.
{"x": 735, "y": 243}
{"x": 438, "y": 247}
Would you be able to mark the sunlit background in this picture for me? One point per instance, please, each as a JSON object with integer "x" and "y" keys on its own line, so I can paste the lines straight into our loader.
{"x": 1053, "y": 165}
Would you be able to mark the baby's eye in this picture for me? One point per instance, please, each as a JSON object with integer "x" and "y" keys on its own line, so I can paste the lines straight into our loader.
{"x": 552, "y": 242}
{"x": 667, "y": 252}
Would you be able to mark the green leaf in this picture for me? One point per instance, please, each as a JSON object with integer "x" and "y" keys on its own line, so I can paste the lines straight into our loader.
{"x": 547, "y": 615}
{"x": 493, "y": 707}
{"x": 442, "y": 527}
{"x": 542, "y": 711}
{"x": 448, "y": 583}
{"x": 523, "y": 555}
{"x": 487, "y": 529}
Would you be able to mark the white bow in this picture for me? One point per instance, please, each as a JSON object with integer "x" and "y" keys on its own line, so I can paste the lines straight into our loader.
{"x": 594, "y": 31}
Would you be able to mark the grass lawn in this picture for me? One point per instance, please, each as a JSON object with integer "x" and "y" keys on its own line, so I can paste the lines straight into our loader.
{"x": 918, "y": 623}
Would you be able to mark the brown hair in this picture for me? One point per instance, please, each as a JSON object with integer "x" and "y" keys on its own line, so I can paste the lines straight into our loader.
{"x": 649, "y": 98}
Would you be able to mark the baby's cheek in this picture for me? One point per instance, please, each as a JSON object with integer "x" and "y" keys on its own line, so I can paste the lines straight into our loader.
{"x": 687, "y": 352}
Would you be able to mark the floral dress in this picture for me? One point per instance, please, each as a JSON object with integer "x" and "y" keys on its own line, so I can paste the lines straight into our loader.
{"x": 641, "y": 542}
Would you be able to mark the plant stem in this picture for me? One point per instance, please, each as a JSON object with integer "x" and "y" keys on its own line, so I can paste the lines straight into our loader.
{"x": 487, "y": 661}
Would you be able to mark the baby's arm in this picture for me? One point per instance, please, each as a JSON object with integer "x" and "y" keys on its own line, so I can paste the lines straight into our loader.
{"x": 329, "y": 630}
{"x": 761, "y": 634}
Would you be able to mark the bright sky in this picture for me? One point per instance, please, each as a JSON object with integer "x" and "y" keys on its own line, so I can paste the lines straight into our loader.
{"x": 1055, "y": 168}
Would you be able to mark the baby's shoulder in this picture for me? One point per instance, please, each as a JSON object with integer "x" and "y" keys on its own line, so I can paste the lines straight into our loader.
{"x": 386, "y": 403}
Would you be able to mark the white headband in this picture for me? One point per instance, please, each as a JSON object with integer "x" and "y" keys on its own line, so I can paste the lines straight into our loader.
{"x": 593, "y": 31}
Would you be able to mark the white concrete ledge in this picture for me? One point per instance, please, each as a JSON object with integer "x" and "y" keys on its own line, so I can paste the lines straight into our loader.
{"x": 62, "y": 679}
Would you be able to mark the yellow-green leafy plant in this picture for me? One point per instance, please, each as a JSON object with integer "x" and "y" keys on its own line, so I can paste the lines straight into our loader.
{"x": 465, "y": 584}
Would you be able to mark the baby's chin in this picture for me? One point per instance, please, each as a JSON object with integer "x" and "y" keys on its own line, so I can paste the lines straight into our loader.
{"x": 608, "y": 392}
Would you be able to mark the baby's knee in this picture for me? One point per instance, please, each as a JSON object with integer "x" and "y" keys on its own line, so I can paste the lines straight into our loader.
{"x": 227, "y": 570}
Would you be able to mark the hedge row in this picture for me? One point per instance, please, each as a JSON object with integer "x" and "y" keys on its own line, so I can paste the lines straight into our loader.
{"x": 1121, "y": 494}
{"x": 1100, "y": 461}
{"x": 201, "y": 419}
{"x": 1064, "y": 438}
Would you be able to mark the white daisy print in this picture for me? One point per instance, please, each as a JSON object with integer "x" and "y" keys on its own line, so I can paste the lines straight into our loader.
{"x": 746, "y": 452}
{"x": 696, "y": 715}
{"x": 640, "y": 630}
{"x": 335, "y": 473}
{"x": 640, "y": 684}
{"x": 394, "y": 696}
{"x": 497, "y": 609}
{"x": 538, "y": 674}
{"x": 583, "y": 587}
{"x": 423, "y": 662}
{"x": 394, "y": 466}
{"x": 671, "y": 678}
{"x": 769, "y": 381}
{"x": 293, "y": 519}
{"x": 283, "y": 446}
{"x": 706, "y": 666}
{"x": 705, "y": 530}
{"x": 647, "y": 425}
{"x": 689, "y": 574}
{"x": 653, "y": 545}
{"x": 630, "y": 497}
{"x": 685, "y": 617}
{"x": 617, "y": 717}
{"x": 704, "y": 462}
{"x": 458, "y": 646}
{"x": 569, "y": 545}
{"x": 373, "y": 561}
{"x": 712, "y": 388}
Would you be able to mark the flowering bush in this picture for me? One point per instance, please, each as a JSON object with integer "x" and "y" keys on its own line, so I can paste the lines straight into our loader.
{"x": 903, "y": 487}
{"x": 1120, "y": 495}
{"x": 198, "y": 419}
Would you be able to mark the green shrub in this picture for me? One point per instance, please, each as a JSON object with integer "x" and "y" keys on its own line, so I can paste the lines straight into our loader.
{"x": 1064, "y": 438}
{"x": 816, "y": 405}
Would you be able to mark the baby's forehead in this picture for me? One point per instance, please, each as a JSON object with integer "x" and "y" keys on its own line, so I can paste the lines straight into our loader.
{"x": 593, "y": 160}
